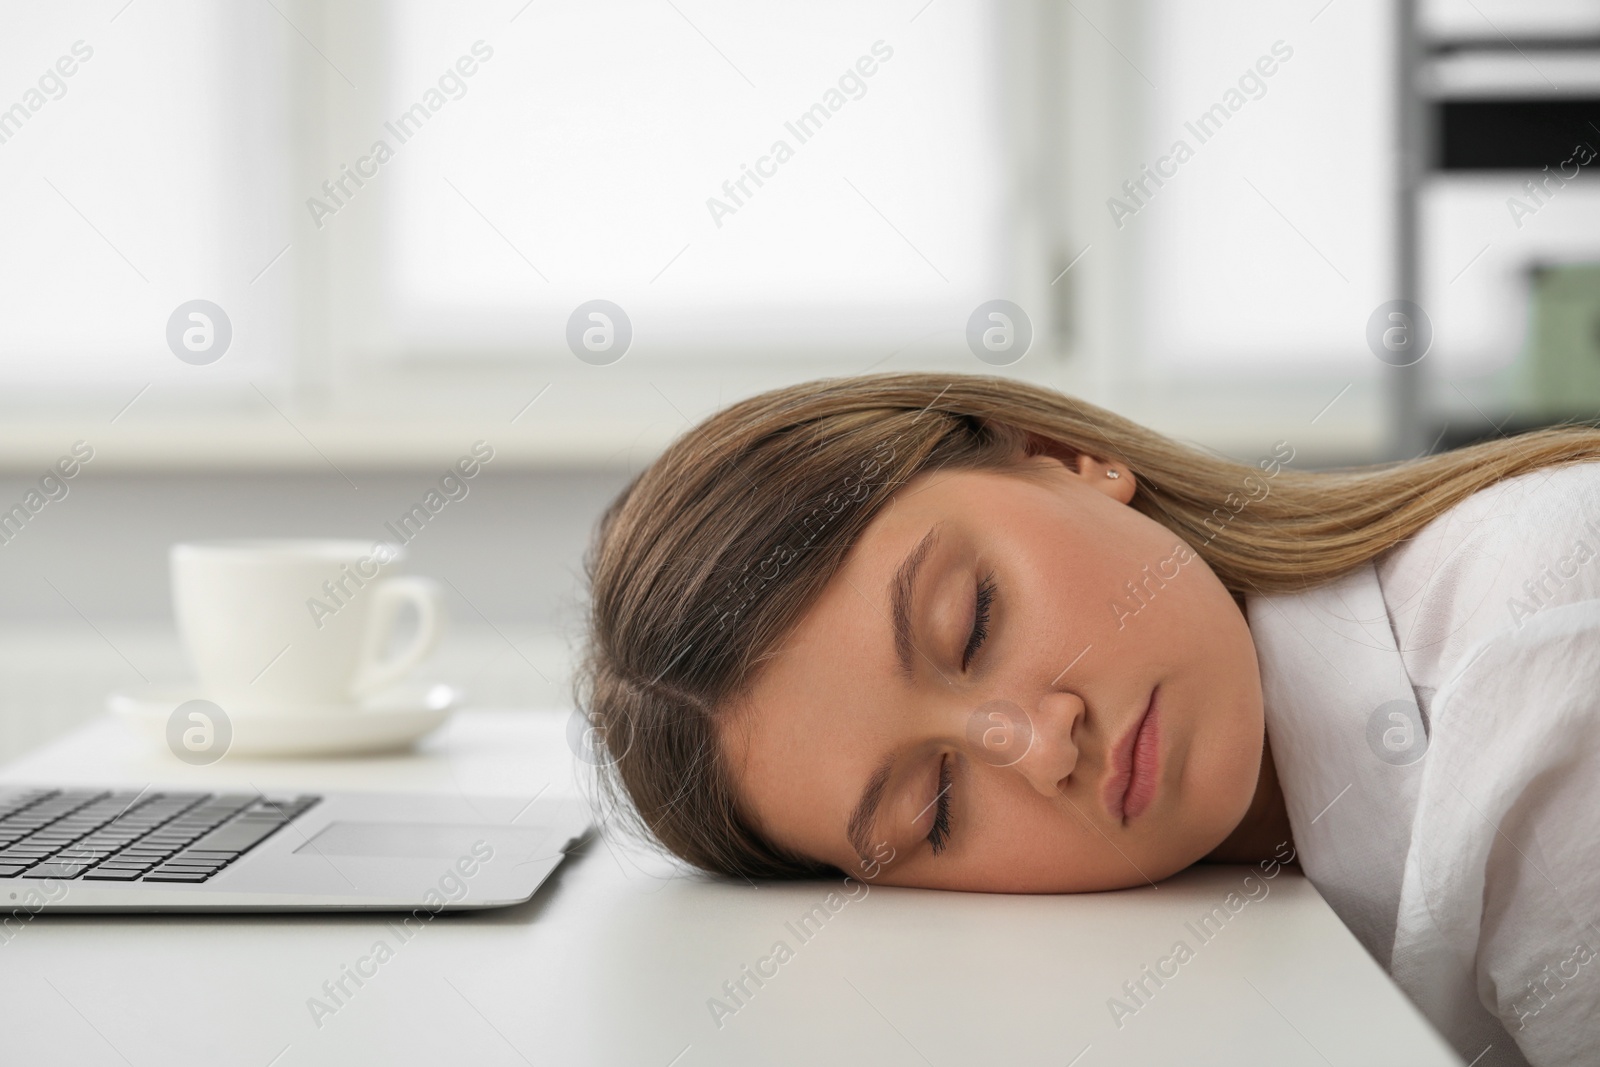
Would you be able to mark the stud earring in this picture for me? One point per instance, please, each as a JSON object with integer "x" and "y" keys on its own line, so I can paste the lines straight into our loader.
{"x": 1112, "y": 474}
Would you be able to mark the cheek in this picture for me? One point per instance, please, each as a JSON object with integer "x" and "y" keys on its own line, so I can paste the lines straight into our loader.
{"x": 1149, "y": 595}
{"x": 1029, "y": 845}
{"x": 1108, "y": 576}
{"x": 1224, "y": 729}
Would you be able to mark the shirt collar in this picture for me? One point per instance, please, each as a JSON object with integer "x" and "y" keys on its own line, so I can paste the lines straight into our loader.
{"x": 1338, "y": 706}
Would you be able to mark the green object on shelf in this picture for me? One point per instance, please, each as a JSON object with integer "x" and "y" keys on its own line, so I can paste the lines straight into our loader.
{"x": 1563, "y": 357}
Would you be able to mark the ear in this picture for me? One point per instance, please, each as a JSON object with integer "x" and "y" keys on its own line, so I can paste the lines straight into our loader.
{"x": 1106, "y": 476}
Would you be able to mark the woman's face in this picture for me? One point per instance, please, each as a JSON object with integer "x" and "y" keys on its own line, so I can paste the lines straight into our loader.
{"x": 1039, "y": 618}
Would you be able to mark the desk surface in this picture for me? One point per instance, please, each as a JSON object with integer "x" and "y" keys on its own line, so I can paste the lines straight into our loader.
{"x": 622, "y": 958}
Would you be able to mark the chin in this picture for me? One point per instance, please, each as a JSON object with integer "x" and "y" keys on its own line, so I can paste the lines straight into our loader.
{"x": 1218, "y": 788}
{"x": 1171, "y": 866}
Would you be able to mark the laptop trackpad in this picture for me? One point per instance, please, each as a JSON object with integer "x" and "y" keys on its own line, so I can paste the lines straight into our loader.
{"x": 400, "y": 840}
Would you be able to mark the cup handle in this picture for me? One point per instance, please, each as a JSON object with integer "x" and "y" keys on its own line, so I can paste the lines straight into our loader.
{"x": 389, "y": 597}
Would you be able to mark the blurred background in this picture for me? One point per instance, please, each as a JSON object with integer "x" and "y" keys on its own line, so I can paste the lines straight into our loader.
{"x": 277, "y": 264}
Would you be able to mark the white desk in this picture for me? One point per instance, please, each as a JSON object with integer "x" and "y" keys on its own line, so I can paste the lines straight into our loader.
{"x": 615, "y": 959}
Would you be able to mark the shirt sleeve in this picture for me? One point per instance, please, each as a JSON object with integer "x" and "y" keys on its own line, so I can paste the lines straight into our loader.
{"x": 1495, "y": 561}
{"x": 1501, "y": 892}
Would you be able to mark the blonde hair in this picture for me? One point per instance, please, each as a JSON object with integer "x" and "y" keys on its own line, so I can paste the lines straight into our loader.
{"x": 711, "y": 555}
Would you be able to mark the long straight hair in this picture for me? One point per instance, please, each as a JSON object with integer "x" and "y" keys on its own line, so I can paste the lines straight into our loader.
{"x": 708, "y": 559}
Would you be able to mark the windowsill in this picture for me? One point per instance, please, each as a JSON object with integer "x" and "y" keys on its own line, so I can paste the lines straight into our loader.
{"x": 1243, "y": 427}
{"x": 201, "y": 446}
{"x": 252, "y": 444}
{"x": 622, "y": 422}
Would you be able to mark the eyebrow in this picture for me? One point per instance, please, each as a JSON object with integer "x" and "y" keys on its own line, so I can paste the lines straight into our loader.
{"x": 859, "y": 829}
{"x": 900, "y": 590}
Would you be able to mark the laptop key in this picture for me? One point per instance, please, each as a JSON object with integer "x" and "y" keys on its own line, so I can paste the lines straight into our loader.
{"x": 177, "y": 876}
{"x": 238, "y": 836}
{"x": 190, "y": 861}
{"x": 125, "y": 836}
{"x": 56, "y": 870}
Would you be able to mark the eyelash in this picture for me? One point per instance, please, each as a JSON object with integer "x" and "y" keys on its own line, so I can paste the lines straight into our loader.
{"x": 939, "y": 833}
{"x": 980, "y": 619}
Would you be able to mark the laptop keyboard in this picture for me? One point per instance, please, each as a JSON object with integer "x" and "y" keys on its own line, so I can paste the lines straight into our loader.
{"x": 100, "y": 835}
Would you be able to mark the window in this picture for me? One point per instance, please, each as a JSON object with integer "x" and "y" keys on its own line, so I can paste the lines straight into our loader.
{"x": 762, "y": 184}
{"x": 1271, "y": 243}
{"x": 756, "y": 185}
{"x": 137, "y": 150}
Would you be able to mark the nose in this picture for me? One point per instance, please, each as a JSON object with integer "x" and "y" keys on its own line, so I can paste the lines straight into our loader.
{"x": 1054, "y": 753}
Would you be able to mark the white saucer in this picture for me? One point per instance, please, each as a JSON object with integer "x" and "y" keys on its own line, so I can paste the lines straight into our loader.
{"x": 391, "y": 720}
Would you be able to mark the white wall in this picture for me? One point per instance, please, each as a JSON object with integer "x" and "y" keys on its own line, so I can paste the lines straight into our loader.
{"x": 84, "y": 606}
{"x": 513, "y": 544}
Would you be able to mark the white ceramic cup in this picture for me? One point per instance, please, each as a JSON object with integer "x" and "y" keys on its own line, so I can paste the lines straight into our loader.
{"x": 276, "y": 624}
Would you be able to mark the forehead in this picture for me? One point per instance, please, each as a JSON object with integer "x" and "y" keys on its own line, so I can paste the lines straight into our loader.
{"x": 813, "y": 725}
{"x": 856, "y": 600}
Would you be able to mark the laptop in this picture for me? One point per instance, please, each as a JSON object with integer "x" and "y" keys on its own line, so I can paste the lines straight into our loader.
{"x": 151, "y": 849}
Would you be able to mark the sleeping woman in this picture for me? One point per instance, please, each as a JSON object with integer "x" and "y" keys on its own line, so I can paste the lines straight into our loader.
{"x": 967, "y": 633}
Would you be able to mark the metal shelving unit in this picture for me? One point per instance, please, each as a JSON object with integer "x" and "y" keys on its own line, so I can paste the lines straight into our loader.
{"x": 1493, "y": 90}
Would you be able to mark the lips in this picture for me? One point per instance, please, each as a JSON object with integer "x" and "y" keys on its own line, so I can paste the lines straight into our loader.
{"x": 1131, "y": 785}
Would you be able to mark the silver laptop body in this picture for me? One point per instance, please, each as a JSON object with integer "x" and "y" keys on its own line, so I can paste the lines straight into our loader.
{"x": 146, "y": 849}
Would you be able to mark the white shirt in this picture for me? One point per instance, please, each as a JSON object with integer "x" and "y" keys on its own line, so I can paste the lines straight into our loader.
{"x": 1435, "y": 723}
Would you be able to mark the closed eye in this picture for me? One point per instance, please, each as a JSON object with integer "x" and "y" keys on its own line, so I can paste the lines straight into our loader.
{"x": 939, "y": 832}
{"x": 981, "y": 606}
